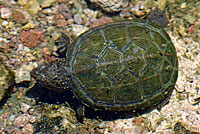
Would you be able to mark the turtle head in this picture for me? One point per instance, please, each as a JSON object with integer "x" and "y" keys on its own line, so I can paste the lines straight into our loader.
{"x": 159, "y": 17}
{"x": 54, "y": 75}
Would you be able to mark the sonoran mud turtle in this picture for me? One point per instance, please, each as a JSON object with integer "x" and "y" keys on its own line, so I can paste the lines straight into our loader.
{"x": 122, "y": 66}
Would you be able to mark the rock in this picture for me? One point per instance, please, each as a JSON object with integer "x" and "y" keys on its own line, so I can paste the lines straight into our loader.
{"x": 6, "y": 79}
{"x": 31, "y": 37}
{"x": 102, "y": 21}
{"x": 78, "y": 29}
{"x": 28, "y": 129}
{"x": 22, "y": 120}
{"x": 125, "y": 13}
{"x": 32, "y": 6}
{"x": 77, "y": 19}
{"x": 29, "y": 25}
{"x": 25, "y": 107}
{"x": 23, "y": 73}
{"x": 90, "y": 13}
{"x": 111, "y": 5}
{"x": 13, "y": 130}
{"x": 5, "y": 13}
{"x": 47, "y": 3}
{"x": 19, "y": 16}
{"x": 47, "y": 11}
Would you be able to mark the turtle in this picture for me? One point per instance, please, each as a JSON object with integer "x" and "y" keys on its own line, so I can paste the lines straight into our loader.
{"x": 122, "y": 66}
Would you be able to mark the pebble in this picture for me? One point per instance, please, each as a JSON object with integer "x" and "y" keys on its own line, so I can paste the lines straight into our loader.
{"x": 137, "y": 130}
{"x": 31, "y": 37}
{"x": 25, "y": 107}
{"x": 28, "y": 129}
{"x": 47, "y": 11}
{"x": 13, "y": 130}
{"x": 77, "y": 19}
{"x": 78, "y": 29}
{"x": 33, "y": 119}
{"x": 125, "y": 13}
{"x": 12, "y": 117}
{"x": 11, "y": 25}
{"x": 111, "y": 5}
{"x": 29, "y": 25}
{"x": 90, "y": 13}
{"x": 102, "y": 21}
{"x": 22, "y": 120}
{"x": 20, "y": 16}
{"x": 32, "y": 6}
{"x": 31, "y": 111}
{"x": 5, "y": 13}
{"x": 23, "y": 73}
{"x": 6, "y": 79}
{"x": 47, "y": 3}
{"x": 4, "y": 23}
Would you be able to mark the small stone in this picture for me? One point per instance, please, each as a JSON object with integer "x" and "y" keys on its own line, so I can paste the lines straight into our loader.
{"x": 32, "y": 6}
{"x": 25, "y": 107}
{"x": 11, "y": 25}
{"x": 77, "y": 19}
{"x": 47, "y": 3}
{"x": 102, "y": 125}
{"x": 6, "y": 79}
{"x": 28, "y": 25}
{"x": 13, "y": 130}
{"x": 47, "y": 11}
{"x": 33, "y": 119}
{"x": 192, "y": 29}
{"x": 22, "y": 120}
{"x": 111, "y": 5}
{"x": 31, "y": 111}
{"x": 63, "y": 1}
{"x": 19, "y": 16}
{"x": 31, "y": 37}
{"x": 183, "y": 5}
{"x": 61, "y": 23}
{"x": 46, "y": 51}
{"x": 102, "y": 21}
{"x": 4, "y": 23}
{"x": 70, "y": 21}
{"x": 78, "y": 29}
{"x": 23, "y": 73}
{"x": 28, "y": 129}
{"x": 137, "y": 130}
{"x": 90, "y": 13}
{"x": 5, "y": 13}
{"x": 125, "y": 13}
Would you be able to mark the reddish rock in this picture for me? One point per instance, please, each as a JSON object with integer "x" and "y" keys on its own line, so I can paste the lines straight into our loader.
{"x": 61, "y": 23}
{"x": 31, "y": 37}
{"x": 19, "y": 16}
{"x": 28, "y": 129}
{"x": 191, "y": 29}
{"x": 102, "y": 21}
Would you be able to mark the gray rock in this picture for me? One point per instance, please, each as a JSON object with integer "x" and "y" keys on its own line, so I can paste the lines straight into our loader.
{"x": 77, "y": 19}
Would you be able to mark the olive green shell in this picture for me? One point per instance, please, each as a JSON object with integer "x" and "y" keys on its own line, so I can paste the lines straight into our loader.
{"x": 128, "y": 65}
